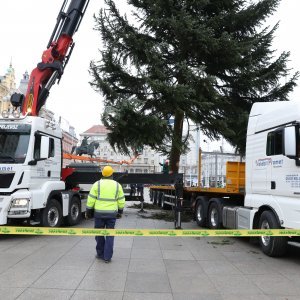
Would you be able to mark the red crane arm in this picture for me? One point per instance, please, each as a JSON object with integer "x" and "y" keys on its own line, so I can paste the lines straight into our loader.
{"x": 54, "y": 58}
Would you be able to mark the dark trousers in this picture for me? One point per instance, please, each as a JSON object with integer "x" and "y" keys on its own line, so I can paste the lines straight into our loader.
{"x": 105, "y": 244}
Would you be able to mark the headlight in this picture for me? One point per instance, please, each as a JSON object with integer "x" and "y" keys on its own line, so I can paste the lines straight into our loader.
{"x": 20, "y": 203}
{"x": 16, "y": 114}
{"x": 5, "y": 114}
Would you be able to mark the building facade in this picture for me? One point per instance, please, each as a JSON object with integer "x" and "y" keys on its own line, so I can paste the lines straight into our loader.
{"x": 8, "y": 87}
{"x": 146, "y": 162}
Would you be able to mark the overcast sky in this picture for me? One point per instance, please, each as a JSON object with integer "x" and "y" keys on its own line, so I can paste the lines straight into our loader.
{"x": 26, "y": 26}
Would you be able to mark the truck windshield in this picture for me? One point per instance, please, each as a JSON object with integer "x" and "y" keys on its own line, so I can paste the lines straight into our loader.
{"x": 14, "y": 141}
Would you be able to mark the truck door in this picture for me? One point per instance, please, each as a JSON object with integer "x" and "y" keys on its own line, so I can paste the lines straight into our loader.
{"x": 46, "y": 162}
{"x": 279, "y": 163}
{"x": 260, "y": 173}
{"x": 286, "y": 185}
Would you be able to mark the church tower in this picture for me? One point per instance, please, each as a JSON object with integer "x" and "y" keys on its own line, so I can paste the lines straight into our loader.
{"x": 7, "y": 87}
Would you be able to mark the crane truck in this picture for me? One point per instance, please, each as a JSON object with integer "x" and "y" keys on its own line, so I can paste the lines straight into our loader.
{"x": 34, "y": 186}
{"x": 261, "y": 193}
{"x": 31, "y": 146}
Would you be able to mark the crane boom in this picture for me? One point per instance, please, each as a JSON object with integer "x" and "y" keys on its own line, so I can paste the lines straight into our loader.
{"x": 54, "y": 58}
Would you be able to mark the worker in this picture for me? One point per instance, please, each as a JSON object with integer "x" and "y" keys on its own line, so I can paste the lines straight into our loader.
{"x": 105, "y": 202}
{"x": 165, "y": 167}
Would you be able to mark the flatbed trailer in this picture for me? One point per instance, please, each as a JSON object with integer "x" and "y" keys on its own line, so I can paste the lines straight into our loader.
{"x": 199, "y": 199}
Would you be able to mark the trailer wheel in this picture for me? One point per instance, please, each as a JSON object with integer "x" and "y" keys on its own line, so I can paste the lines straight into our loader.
{"x": 215, "y": 216}
{"x": 52, "y": 214}
{"x": 74, "y": 216}
{"x": 271, "y": 245}
{"x": 200, "y": 212}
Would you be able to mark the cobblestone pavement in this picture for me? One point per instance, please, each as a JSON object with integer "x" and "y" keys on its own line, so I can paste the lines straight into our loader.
{"x": 160, "y": 268}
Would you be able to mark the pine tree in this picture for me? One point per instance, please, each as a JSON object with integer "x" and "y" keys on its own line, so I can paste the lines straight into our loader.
{"x": 202, "y": 60}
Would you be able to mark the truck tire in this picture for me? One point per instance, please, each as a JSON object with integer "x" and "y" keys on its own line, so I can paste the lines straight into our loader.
{"x": 52, "y": 214}
{"x": 201, "y": 211}
{"x": 214, "y": 215}
{"x": 74, "y": 216}
{"x": 274, "y": 246}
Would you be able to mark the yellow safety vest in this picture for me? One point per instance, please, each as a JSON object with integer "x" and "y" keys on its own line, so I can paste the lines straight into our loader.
{"x": 107, "y": 198}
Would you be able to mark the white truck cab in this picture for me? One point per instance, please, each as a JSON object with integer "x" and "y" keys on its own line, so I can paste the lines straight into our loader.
{"x": 272, "y": 161}
{"x": 30, "y": 170}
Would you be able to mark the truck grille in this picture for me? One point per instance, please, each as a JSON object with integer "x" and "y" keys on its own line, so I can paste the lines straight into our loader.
{"x": 6, "y": 180}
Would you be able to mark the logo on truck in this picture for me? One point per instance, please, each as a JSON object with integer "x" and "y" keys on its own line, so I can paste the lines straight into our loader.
{"x": 264, "y": 162}
{"x": 6, "y": 168}
{"x": 8, "y": 126}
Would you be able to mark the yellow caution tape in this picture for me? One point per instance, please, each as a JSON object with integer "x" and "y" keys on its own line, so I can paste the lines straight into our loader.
{"x": 6, "y": 230}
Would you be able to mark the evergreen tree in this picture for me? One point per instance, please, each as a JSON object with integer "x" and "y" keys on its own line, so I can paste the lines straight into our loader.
{"x": 202, "y": 60}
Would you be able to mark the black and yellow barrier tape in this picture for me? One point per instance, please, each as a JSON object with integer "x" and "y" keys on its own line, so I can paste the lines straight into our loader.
{"x": 7, "y": 230}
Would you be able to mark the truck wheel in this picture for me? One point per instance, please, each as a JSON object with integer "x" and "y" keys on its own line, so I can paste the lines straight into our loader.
{"x": 271, "y": 245}
{"x": 200, "y": 212}
{"x": 52, "y": 214}
{"x": 214, "y": 216}
{"x": 74, "y": 216}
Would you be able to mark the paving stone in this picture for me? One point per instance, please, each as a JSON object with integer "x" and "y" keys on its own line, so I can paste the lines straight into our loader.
{"x": 146, "y": 253}
{"x": 96, "y": 295}
{"x": 98, "y": 280}
{"x": 276, "y": 284}
{"x": 147, "y": 296}
{"x": 147, "y": 265}
{"x": 59, "y": 279}
{"x": 147, "y": 282}
{"x": 183, "y": 267}
{"x": 177, "y": 254}
{"x": 218, "y": 267}
{"x": 17, "y": 277}
{"x": 235, "y": 285}
{"x": 38, "y": 294}
{"x": 10, "y": 293}
{"x": 191, "y": 284}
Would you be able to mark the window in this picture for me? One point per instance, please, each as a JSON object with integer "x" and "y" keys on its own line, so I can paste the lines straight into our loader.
{"x": 37, "y": 147}
{"x": 51, "y": 147}
{"x": 13, "y": 146}
{"x": 275, "y": 143}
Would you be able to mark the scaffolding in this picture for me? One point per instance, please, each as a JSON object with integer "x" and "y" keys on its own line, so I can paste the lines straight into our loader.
{"x": 212, "y": 168}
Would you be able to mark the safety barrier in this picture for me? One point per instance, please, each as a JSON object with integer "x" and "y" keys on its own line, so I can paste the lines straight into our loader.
{"x": 10, "y": 230}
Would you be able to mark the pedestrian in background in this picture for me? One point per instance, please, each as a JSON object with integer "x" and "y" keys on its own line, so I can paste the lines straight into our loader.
{"x": 105, "y": 202}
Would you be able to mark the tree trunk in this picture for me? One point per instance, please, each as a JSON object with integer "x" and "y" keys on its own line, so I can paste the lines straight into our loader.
{"x": 176, "y": 141}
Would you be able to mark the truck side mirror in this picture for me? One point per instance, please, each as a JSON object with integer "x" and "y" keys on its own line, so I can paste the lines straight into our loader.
{"x": 290, "y": 141}
{"x": 45, "y": 142}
